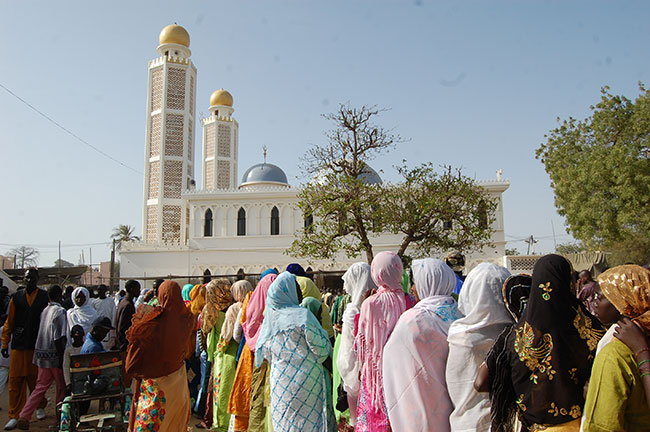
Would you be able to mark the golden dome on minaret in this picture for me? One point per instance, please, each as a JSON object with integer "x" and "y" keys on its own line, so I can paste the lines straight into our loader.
{"x": 221, "y": 97}
{"x": 174, "y": 34}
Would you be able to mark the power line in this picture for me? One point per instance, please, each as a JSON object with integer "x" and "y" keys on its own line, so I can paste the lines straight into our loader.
{"x": 63, "y": 245}
{"x": 69, "y": 132}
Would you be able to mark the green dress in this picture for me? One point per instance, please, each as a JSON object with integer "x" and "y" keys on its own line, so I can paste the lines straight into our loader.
{"x": 223, "y": 374}
{"x": 616, "y": 399}
{"x": 336, "y": 381}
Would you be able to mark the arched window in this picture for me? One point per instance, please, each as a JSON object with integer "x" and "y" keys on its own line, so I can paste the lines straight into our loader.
{"x": 309, "y": 222}
{"x": 207, "y": 224}
{"x": 240, "y": 274}
{"x": 275, "y": 221}
{"x": 241, "y": 222}
{"x": 207, "y": 276}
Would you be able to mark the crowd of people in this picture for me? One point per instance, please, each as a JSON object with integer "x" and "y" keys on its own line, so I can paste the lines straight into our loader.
{"x": 415, "y": 349}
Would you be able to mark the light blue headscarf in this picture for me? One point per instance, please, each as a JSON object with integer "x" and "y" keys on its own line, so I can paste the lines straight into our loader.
{"x": 185, "y": 293}
{"x": 283, "y": 312}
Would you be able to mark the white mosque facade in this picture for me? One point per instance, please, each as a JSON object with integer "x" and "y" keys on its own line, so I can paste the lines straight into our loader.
{"x": 223, "y": 227}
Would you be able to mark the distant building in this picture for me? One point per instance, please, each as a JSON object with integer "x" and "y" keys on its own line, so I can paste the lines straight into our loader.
{"x": 6, "y": 262}
{"x": 97, "y": 275}
{"x": 224, "y": 228}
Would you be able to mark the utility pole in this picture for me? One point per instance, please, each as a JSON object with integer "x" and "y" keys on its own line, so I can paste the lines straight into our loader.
{"x": 111, "y": 280}
{"x": 531, "y": 242}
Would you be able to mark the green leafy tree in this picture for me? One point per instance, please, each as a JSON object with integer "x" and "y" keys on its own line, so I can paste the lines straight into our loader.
{"x": 122, "y": 234}
{"x": 430, "y": 211}
{"x": 512, "y": 252}
{"x": 570, "y": 248}
{"x": 434, "y": 211}
{"x": 600, "y": 172}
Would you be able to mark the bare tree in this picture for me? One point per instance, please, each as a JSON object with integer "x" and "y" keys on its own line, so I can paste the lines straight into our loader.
{"x": 25, "y": 256}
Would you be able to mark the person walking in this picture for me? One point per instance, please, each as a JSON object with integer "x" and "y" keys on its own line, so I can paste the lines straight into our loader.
{"x": 21, "y": 329}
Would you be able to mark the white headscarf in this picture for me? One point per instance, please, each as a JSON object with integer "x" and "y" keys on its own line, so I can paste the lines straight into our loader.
{"x": 83, "y": 315}
{"x": 357, "y": 281}
{"x": 470, "y": 338}
{"x": 434, "y": 282}
{"x": 415, "y": 356}
{"x": 481, "y": 300}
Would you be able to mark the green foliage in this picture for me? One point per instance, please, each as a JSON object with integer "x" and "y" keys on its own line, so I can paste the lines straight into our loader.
{"x": 512, "y": 252}
{"x": 123, "y": 233}
{"x": 438, "y": 211}
{"x": 570, "y": 248}
{"x": 430, "y": 211}
{"x": 600, "y": 171}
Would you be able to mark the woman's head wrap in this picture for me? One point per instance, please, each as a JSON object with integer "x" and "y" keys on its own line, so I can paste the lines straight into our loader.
{"x": 240, "y": 289}
{"x": 432, "y": 277}
{"x": 296, "y": 269}
{"x": 516, "y": 290}
{"x": 268, "y": 272}
{"x": 386, "y": 270}
{"x": 217, "y": 298}
{"x": 628, "y": 288}
{"x": 185, "y": 293}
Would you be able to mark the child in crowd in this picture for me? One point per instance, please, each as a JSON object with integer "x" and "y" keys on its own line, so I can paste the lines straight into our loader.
{"x": 93, "y": 344}
{"x": 77, "y": 336}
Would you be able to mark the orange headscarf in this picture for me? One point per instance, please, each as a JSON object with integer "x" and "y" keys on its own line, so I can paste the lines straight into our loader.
{"x": 158, "y": 338}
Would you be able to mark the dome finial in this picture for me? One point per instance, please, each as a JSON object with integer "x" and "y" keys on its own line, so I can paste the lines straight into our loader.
{"x": 264, "y": 148}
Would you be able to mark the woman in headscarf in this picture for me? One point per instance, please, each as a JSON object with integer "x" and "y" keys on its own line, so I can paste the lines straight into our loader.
{"x": 415, "y": 356}
{"x": 616, "y": 399}
{"x": 378, "y": 316}
{"x": 247, "y": 396}
{"x": 515, "y": 293}
{"x": 82, "y": 313}
{"x": 226, "y": 353}
{"x": 549, "y": 355}
{"x": 295, "y": 345}
{"x": 218, "y": 297}
{"x": 357, "y": 282}
{"x": 309, "y": 289}
{"x": 155, "y": 357}
{"x": 197, "y": 303}
{"x": 185, "y": 293}
{"x": 470, "y": 339}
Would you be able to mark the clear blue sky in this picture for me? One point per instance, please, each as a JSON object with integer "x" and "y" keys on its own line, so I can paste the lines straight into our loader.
{"x": 473, "y": 84}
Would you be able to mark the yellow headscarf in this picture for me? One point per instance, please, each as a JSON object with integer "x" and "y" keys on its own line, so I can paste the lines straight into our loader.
{"x": 309, "y": 289}
{"x": 197, "y": 299}
{"x": 628, "y": 288}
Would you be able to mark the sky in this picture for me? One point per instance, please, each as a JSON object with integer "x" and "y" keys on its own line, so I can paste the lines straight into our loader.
{"x": 470, "y": 84}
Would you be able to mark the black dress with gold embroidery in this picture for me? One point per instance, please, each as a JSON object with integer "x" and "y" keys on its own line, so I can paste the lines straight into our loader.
{"x": 552, "y": 348}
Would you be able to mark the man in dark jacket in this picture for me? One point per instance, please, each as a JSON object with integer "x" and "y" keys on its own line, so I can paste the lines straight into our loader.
{"x": 21, "y": 329}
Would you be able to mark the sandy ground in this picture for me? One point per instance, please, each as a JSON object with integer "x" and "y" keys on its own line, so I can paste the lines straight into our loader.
{"x": 44, "y": 425}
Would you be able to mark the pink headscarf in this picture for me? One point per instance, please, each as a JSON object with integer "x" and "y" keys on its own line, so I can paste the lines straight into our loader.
{"x": 255, "y": 310}
{"x": 379, "y": 314}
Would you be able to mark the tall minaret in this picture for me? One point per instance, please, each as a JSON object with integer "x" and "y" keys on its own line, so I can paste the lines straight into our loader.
{"x": 220, "y": 141}
{"x": 169, "y": 148}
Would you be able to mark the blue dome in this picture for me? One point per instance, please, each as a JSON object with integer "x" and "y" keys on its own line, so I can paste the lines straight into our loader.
{"x": 370, "y": 176}
{"x": 264, "y": 173}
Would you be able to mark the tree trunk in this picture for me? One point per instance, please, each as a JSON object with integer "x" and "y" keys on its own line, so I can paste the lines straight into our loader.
{"x": 369, "y": 254}
{"x": 403, "y": 246}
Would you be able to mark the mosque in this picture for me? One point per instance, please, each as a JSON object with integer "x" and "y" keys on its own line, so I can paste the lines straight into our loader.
{"x": 224, "y": 227}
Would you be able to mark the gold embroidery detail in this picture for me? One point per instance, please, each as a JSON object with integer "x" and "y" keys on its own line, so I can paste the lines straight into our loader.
{"x": 546, "y": 295}
{"x": 574, "y": 412}
{"x": 585, "y": 328}
{"x": 572, "y": 374}
{"x": 537, "y": 359}
{"x": 520, "y": 403}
